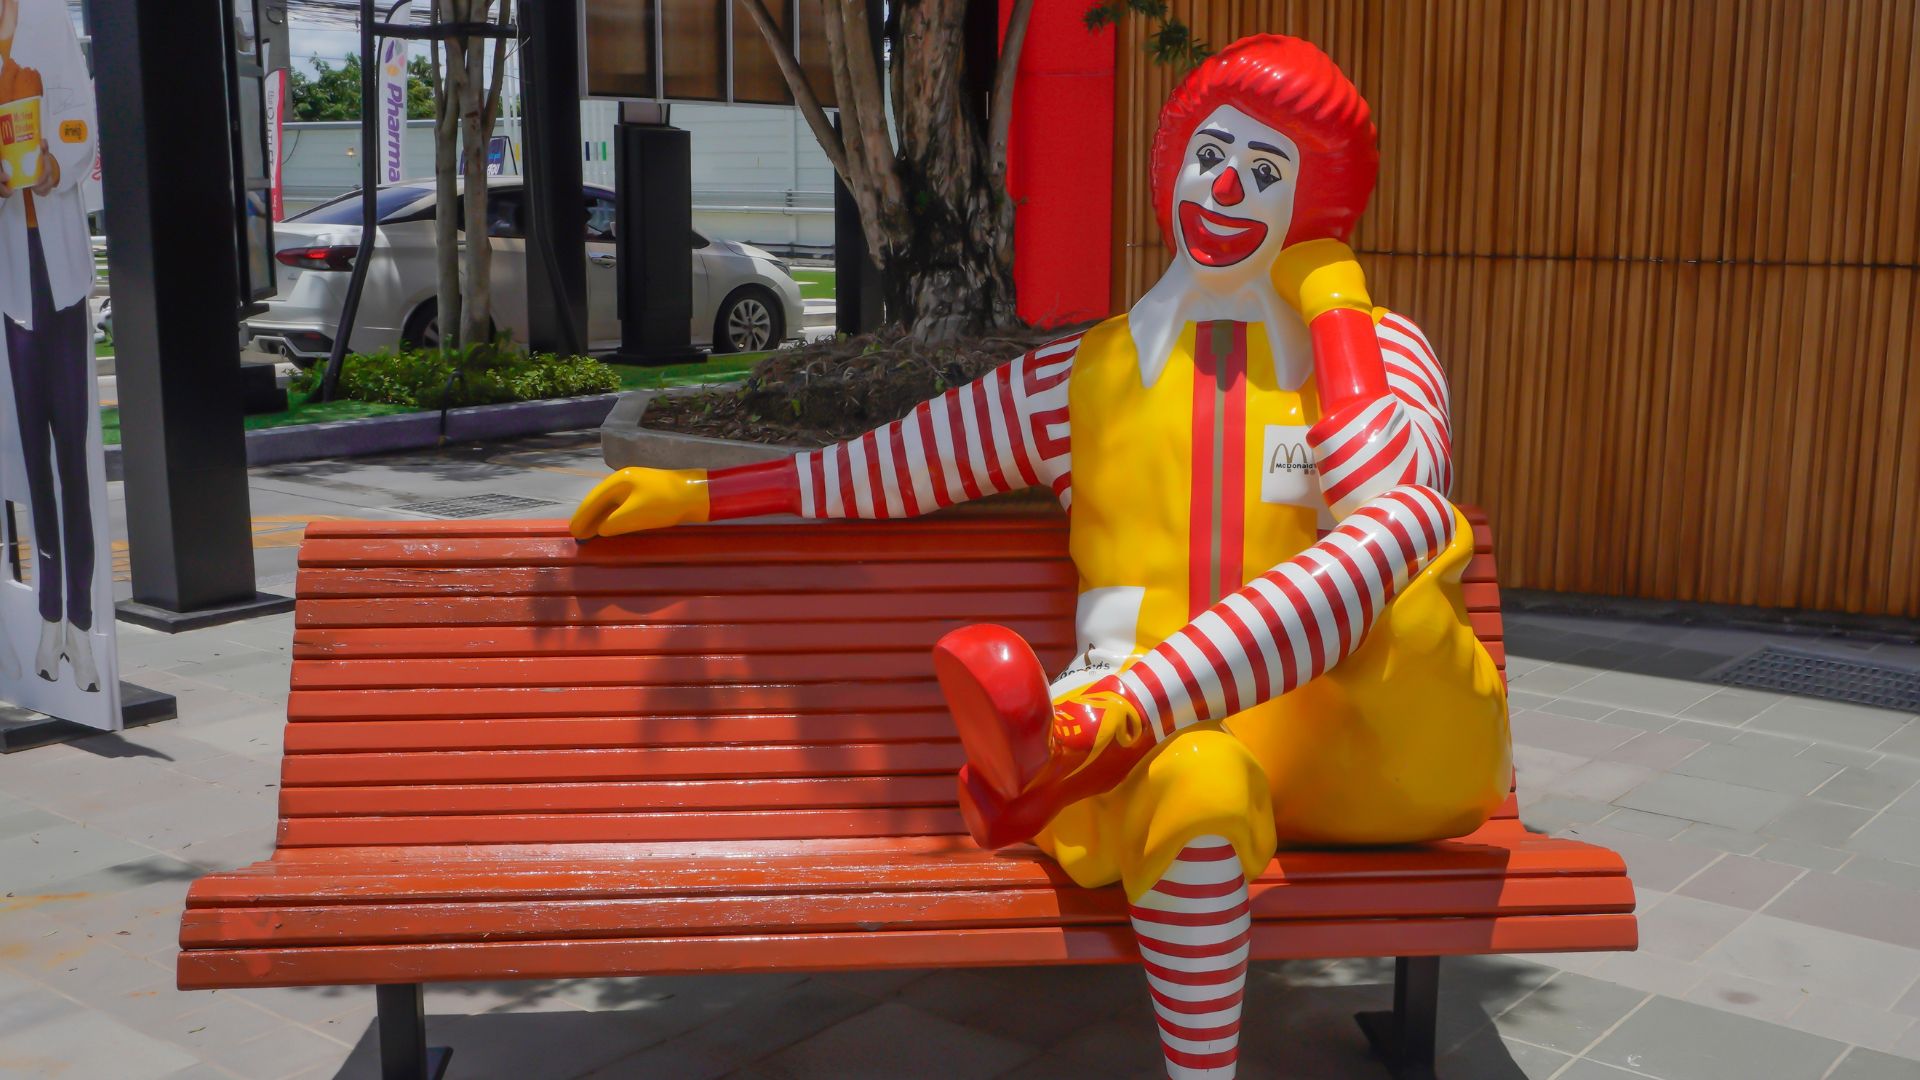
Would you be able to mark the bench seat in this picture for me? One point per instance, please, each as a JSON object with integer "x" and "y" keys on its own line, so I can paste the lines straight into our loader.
{"x": 722, "y": 749}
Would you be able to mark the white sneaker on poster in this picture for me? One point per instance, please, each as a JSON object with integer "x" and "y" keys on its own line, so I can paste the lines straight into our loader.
{"x": 53, "y": 642}
{"x": 80, "y": 657}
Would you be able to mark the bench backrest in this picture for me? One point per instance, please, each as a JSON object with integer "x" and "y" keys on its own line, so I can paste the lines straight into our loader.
{"x": 495, "y": 683}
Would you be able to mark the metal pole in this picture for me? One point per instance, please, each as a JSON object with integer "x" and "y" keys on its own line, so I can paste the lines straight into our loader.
{"x": 369, "y": 202}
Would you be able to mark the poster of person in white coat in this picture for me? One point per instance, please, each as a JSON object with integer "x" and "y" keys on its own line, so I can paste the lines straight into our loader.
{"x": 56, "y": 625}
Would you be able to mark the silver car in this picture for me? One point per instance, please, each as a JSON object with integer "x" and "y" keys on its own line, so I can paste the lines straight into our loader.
{"x": 744, "y": 299}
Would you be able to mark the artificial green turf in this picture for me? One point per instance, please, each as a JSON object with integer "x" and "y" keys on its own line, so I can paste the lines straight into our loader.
{"x": 299, "y": 411}
{"x": 632, "y": 377}
{"x": 816, "y": 284}
{"x": 713, "y": 370}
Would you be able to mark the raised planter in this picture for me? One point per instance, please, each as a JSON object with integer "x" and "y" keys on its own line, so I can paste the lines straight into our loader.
{"x": 414, "y": 431}
{"x": 626, "y": 441}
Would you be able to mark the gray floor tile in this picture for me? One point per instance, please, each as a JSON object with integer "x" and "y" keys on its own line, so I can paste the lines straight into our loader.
{"x": 1905, "y": 876}
{"x": 1553, "y": 680}
{"x": 1678, "y": 1040}
{"x": 1489, "y": 1057}
{"x": 1602, "y": 781}
{"x": 1713, "y": 836}
{"x": 1645, "y": 693}
{"x": 1740, "y": 882}
{"x": 1844, "y": 755}
{"x": 1731, "y": 705}
{"x": 1850, "y": 1022}
{"x": 1818, "y": 822}
{"x": 1568, "y": 1013}
{"x": 1757, "y": 768}
{"x": 1588, "y": 1069}
{"x": 1634, "y": 718}
{"x": 1790, "y": 745}
{"x": 1639, "y": 821}
{"x": 1870, "y": 789}
{"x": 1684, "y": 928}
{"x": 81, "y": 1044}
{"x": 1904, "y": 742}
{"x": 893, "y": 1039}
{"x": 1762, "y": 1000}
{"x": 1704, "y": 731}
{"x": 1847, "y": 725}
{"x": 1650, "y": 971}
{"x": 1652, "y": 863}
{"x": 1802, "y": 854}
{"x": 1580, "y": 737}
{"x": 1867, "y": 908}
{"x": 1817, "y": 960}
{"x": 1711, "y": 801}
{"x": 1863, "y": 1064}
{"x": 1655, "y": 750}
{"x": 1889, "y": 837}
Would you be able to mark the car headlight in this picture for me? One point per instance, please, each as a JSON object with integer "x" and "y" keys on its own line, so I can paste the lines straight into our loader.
{"x": 782, "y": 266}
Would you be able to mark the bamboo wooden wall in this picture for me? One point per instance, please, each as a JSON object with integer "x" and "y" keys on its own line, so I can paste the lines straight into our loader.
{"x": 1669, "y": 251}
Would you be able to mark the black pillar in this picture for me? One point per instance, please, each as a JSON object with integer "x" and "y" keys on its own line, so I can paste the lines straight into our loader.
{"x": 173, "y": 256}
{"x": 653, "y": 236}
{"x": 556, "y": 219}
{"x": 859, "y": 291}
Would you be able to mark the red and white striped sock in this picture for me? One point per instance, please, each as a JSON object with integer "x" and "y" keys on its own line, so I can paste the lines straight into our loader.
{"x": 1194, "y": 927}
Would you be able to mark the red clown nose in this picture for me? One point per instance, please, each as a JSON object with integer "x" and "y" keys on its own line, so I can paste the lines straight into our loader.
{"x": 1227, "y": 190}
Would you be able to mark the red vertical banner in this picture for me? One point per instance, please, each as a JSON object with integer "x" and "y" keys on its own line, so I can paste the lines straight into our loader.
{"x": 276, "y": 115}
{"x": 1060, "y": 166}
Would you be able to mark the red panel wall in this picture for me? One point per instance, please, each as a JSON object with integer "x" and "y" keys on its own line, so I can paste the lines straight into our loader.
{"x": 1060, "y": 166}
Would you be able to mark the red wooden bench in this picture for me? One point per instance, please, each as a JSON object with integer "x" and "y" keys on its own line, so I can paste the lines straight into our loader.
{"x": 722, "y": 749}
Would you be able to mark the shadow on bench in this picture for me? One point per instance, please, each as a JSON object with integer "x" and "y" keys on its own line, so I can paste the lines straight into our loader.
{"x": 722, "y": 749}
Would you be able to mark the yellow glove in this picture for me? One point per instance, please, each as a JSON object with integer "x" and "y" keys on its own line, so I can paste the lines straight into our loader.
{"x": 635, "y": 499}
{"x": 1319, "y": 276}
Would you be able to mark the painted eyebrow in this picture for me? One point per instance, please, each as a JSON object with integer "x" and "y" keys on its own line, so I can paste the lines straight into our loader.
{"x": 1270, "y": 149}
{"x": 1223, "y": 136}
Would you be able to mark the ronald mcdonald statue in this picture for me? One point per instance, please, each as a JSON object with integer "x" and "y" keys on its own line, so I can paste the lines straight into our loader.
{"x": 1272, "y": 645}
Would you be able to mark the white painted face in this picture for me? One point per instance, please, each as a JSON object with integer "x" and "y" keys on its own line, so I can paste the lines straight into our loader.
{"x": 1233, "y": 198}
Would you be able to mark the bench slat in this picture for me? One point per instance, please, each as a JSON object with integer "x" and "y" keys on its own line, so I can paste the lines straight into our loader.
{"x": 517, "y": 872}
{"x": 391, "y": 924}
{"x": 973, "y": 605}
{"x": 637, "y": 701}
{"x": 812, "y": 792}
{"x": 1054, "y": 634}
{"x": 631, "y": 828}
{"x": 628, "y": 763}
{"x": 574, "y": 733}
{"x": 1013, "y": 946}
{"x": 731, "y": 579}
{"x": 566, "y": 671}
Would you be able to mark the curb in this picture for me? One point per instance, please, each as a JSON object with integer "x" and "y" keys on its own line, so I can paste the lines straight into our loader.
{"x": 412, "y": 431}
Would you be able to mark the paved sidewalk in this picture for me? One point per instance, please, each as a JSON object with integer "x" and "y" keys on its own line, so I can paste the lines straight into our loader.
{"x": 1775, "y": 842}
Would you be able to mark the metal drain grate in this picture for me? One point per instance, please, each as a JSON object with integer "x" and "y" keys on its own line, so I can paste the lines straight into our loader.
{"x": 475, "y": 506}
{"x": 1787, "y": 671}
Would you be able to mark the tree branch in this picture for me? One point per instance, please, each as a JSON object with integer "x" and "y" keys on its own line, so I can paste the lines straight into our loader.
{"x": 499, "y": 67}
{"x": 797, "y": 82}
{"x": 868, "y": 107}
{"x": 1000, "y": 122}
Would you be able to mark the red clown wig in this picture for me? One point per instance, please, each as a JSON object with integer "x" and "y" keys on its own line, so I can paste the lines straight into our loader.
{"x": 1296, "y": 89}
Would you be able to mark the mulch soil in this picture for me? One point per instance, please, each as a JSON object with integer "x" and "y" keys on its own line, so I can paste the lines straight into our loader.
{"x": 834, "y": 390}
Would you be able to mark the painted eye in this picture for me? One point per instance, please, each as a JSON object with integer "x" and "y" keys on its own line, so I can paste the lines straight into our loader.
{"x": 1208, "y": 156}
{"x": 1265, "y": 175}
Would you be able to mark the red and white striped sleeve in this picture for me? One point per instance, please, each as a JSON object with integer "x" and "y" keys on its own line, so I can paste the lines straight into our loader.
{"x": 1005, "y": 431}
{"x": 1291, "y": 623}
{"x": 1403, "y": 438}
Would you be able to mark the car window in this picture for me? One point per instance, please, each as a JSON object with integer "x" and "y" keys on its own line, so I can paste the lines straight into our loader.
{"x": 504, "y": 214}
{"x": 345, "y": 210}
{"x": 600, "y": 217}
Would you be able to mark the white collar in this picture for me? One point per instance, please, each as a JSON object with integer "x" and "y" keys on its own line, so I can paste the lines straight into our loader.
{"x": 1158, "y": 318}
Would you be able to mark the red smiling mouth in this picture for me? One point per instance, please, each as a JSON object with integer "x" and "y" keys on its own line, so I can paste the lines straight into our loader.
{"x": 1214, "y": 239}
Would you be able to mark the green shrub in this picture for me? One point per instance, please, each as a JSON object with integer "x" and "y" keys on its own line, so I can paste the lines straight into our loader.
{"x": 474, "y": 375}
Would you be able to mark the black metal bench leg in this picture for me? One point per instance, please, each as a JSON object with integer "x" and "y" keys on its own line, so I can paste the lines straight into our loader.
{"x": 404, "y": 1054}
{"x": 1404, "y": 1038}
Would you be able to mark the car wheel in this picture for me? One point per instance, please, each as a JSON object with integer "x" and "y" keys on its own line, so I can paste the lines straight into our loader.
{"x": 749, "y": 321}
{"x": 422, "y": 330}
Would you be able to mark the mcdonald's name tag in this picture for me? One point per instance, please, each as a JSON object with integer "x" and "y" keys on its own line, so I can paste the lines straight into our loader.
{"x": 1287, "y": 474}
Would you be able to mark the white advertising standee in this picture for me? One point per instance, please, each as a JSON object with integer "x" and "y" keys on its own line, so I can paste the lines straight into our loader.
{"x": 393, "y": 110}
{"x": 276, "y": 119}
{"x": 56, "y": 598}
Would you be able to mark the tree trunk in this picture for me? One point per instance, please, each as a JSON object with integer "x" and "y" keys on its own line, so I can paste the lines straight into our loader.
{"x": 476, "y": 284}
{"x": 950, "y": 270}
{"x": 446, "y": 151}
